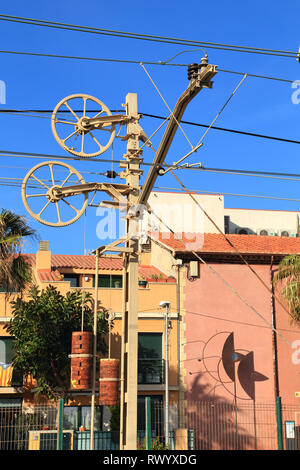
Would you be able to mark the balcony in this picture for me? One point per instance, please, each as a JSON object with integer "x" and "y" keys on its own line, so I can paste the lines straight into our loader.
{"x": 151, "y": 371}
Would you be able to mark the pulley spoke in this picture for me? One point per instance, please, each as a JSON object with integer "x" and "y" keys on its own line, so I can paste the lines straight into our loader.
{"x": 44, "y": 208}
{"x": 72, "y": 207}
{"x": 36, "y": 195}
{"x": 82, "y": 143}
{"x": 71, "y": 173}
{"x": 65, "y": 122}
{"x": 69, "y": 136}
{"x": 43, "y": 184}
{"x": 93, "y": 137}
{"x": 52, "y": 176}
{"x": 58, "y": 213}
{"x": 70, "y": 109}
{"x": 98, "y": 114}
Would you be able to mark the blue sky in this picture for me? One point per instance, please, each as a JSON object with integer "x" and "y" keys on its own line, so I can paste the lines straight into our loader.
{"x": 259, "y": 106}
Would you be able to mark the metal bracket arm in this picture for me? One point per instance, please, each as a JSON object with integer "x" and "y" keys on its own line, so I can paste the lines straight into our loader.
{"x": 203, "y": 80}
{"x": 116, "y": 191}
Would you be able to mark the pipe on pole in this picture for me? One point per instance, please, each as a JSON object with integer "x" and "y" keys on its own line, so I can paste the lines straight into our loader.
{"x": 94, "y": 353}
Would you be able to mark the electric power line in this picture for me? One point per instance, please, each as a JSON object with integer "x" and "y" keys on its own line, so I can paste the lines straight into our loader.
{"x": 190, "y": 123}
{"x": 137, "y": 62}
{"x": 147, "y": 37}
{"x": 14, "y": 154}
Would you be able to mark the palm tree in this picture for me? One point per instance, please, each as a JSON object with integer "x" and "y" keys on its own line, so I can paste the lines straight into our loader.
{"x": 15, "y": 270}
{"x": 289, "y": 276}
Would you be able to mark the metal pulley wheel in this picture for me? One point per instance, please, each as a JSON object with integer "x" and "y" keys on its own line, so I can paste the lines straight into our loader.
{"x": 74, "y": 132}
{"x": 42, "y": 194}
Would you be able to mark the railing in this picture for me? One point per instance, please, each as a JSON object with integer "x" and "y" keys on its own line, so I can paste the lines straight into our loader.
{"x": 217, "y": 425}
{"x": 151, "y": 371}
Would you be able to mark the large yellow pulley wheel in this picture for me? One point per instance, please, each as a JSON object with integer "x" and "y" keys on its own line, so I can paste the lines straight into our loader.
{"x": 41, "y": 194}
{"x": 71, "y": 129}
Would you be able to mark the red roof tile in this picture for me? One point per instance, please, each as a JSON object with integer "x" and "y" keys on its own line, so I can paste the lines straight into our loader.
{"x": 149, "y": 273}
{"x": 85, "y": 262}
{"x": 88, "y": 262}
{"x": 216, "y": 243}
{"x": 49, "y": 276}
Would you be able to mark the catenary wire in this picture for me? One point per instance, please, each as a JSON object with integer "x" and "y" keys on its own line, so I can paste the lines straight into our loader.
{"x": 162, "y": 39}
{"x": 14, "y": 154}
{"x": 17, "y": 182}
{"x": 191, "y": 123}
{"x": 230, "y": 194}
{"x": 128, "y": 61}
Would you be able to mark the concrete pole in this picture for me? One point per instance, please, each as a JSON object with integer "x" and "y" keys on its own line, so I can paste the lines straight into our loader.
{"x": 129, "y": 392}
{"x": 167, "y": 376}
{"x": 94, "y": 353}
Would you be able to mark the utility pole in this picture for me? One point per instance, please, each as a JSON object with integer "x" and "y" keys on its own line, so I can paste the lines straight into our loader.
{"x": 199, "y": 76}
{"x": 129, "y": 359}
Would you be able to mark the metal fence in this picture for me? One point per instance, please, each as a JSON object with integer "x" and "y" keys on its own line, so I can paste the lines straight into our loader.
{"x": 211, "y": 425}
{"x": 247, "y": 426}
{"x": 24, "y": 428}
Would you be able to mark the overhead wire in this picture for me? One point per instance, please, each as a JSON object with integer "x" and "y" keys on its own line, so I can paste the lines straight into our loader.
{"x": 148, "y": 37}
{"x": 256, "y": 173}
{"x": 224, "y": 129}
{"x": 130, "y": 61}
{"x": 17, "y": 182}
{"x": 230, "y": 194}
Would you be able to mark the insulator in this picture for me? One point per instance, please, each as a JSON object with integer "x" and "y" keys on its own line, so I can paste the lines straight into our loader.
{"x": 111, "y": 174}
{"x": 193, "y": 71}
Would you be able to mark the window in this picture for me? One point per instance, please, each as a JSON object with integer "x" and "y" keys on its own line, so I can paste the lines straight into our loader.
{"x": 150, "y": 362}
{"x": 109, "y": 281}
{"x": 73, "y": 279}
{"x": 157, "y": 413}
{"x": 76, "y": 416}
{"x": 6, "y": 358}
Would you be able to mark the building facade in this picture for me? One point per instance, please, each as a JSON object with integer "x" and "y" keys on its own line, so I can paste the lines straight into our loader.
{"x": 67, "y": 272}
{"x": 228, "y": 308}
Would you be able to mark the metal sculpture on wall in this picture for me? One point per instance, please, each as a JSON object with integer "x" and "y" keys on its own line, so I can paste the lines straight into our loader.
{"x": 244, "y": 374}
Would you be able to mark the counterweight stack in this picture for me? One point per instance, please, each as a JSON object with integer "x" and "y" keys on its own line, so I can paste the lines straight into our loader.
{"x": 81, "y": 360}
{"x": 109, "y": 382}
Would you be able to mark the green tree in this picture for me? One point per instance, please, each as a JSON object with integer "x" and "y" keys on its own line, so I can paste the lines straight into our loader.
{"x": 288, "y": 276}
{"x": 42, "y": 327}
{"x": 15, "y": 270}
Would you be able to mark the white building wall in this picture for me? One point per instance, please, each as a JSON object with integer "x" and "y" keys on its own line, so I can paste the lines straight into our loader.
{"x": 181, "y": 214}
{"x": 272, "y": 221}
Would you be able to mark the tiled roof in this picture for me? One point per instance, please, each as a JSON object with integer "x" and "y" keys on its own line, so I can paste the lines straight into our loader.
{"x": 80, "y": 261}
{"x": 150, "y": 272}
{"x": 88, "y": 262}
{"x": 46, "y": 275}
{"x": 216, "y": 243}
{"x": 85, "y": 262}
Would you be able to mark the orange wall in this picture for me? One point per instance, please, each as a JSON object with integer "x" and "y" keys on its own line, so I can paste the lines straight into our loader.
{"x": 212, "y": 311}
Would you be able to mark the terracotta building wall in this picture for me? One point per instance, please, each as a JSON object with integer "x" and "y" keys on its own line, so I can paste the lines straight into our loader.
{"x": 211, "y": 313}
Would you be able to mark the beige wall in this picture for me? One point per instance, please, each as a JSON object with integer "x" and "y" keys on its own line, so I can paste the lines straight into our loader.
{"x": 257, "y": 220}
{"x": 181, "y": 213}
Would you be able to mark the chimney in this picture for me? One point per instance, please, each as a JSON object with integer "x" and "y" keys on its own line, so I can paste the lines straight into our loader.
{"x": 43, "y": 256}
